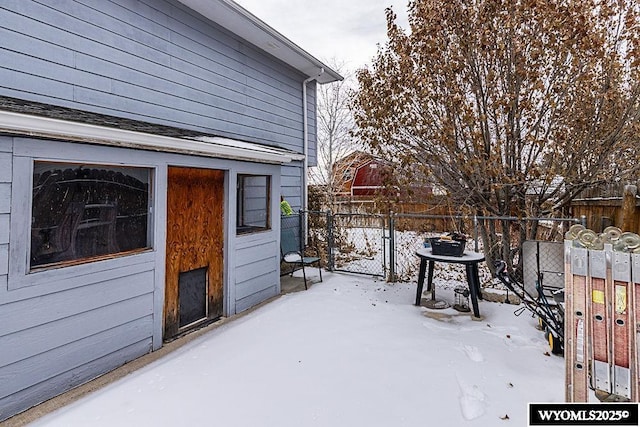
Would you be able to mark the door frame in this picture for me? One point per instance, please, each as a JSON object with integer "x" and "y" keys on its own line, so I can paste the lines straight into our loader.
{"x": 201, "y": 179}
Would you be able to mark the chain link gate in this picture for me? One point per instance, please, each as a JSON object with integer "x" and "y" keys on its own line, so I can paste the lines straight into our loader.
{"x": 353, "y": 243}
{"x": 373, "y": 244}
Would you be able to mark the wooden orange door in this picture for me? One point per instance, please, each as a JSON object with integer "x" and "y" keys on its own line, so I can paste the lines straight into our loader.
{"x": 194, "y": 259}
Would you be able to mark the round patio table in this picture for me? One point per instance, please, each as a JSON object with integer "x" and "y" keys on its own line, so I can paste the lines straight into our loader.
{"x": 469, "y": 259}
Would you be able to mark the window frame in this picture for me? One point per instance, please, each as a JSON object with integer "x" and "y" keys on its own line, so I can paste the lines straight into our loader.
{"x": 244, "y": 229}
{"x": 68, "y": 274}
{"x": 74, "y": 165}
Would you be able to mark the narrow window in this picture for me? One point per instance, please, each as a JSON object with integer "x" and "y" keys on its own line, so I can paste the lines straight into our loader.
{"x": 84, "y": 212}
{"x": 254, "y": 199}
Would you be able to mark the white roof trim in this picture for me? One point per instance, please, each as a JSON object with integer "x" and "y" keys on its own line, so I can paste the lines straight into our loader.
{"x": 236, "y": 19}
{"x": 226, "y": 148}
{"x": 248, "y": 146}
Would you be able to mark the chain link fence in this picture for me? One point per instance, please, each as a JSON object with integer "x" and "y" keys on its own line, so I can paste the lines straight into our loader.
{"x": 385, "y": 245}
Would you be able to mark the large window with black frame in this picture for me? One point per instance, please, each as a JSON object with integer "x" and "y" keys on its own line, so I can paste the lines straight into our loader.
{"x": 83, "y": 212}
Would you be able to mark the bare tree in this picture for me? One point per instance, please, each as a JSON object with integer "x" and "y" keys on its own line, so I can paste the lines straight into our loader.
{"x": 514, "y": 106}
{"x": 335, "y": 124}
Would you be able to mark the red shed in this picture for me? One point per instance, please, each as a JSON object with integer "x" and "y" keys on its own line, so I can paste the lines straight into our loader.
{"x": 368, "y": 179}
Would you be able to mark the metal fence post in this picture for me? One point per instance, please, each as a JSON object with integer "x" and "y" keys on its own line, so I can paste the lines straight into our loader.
{"x": 475, "y": 232}
{"x": 583, "y": 220}
{"x": 330, "y": 254}
{"x": 301, "y": 242}
{"x": 392, "y": 248}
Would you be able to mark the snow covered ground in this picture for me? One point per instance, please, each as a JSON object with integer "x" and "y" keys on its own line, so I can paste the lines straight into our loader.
{"x": 351, "y": 351}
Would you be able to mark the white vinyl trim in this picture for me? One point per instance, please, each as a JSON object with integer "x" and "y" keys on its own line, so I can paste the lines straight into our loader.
{"x": 25, "y": 124}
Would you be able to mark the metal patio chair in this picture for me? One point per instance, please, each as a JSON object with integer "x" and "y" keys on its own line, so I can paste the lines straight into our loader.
{"x": 293, "y": 253}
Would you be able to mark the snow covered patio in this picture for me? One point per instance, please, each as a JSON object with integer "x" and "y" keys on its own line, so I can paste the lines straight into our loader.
{"x": 350, "y": 351}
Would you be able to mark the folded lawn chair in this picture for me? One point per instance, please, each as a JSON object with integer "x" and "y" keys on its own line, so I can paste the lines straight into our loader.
{"x": 293, "y": 253}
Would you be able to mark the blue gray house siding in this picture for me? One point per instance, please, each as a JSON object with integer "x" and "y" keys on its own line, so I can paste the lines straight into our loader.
{"x": 60, "y": 328}
{"x": 154, "y": 61}
{"x": 150, "y": 60}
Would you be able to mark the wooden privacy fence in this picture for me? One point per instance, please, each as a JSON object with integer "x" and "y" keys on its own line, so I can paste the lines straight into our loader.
{"x": 602, "y": 315}
{"x": 602, "y": 212}
{"x": 620, "y": 208}
{"x": 437, "y": 207}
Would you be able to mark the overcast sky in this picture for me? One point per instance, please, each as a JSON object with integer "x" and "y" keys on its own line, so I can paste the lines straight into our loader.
{"x": 347, "y": 30}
